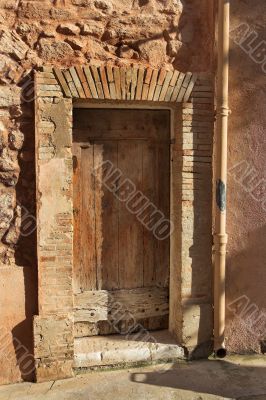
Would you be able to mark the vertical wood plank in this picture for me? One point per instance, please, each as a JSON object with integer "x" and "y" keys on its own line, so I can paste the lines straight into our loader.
{"x": 76, "y": 151}
{"x": 98, "y": 208}
{"x": 88, "y": 234}
{"x": 130, "y": 229}
{"x": 109, "y": 228}
{"x": 84, "y": 217}
{"x": 163, "y": 198}
{"x": 148, "y": 185}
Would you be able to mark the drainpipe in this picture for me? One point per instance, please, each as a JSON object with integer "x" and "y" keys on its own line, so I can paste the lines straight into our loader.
{"x": 220, "y": 236}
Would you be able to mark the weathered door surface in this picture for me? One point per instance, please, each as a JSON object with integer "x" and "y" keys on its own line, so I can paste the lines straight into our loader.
{"x": 121, "y": 183}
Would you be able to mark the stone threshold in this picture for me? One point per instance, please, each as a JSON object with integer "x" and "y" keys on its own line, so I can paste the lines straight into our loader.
{"x": 119, "y": 350}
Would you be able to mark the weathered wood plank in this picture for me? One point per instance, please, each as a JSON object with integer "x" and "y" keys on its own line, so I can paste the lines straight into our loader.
{"x": 95, "y": 124}
{"x": 130, "y": 229}
{"x": 103, "y": 305}
{"x": 88, "y": 271}
{"x": 163, "y": 203}
{"x": 85, "y": 329}
{"x": 149, "y": 185}
{"x": 76, "y": 151}
{"x": 108, "y": 245}
{"x": 98, "y": 155}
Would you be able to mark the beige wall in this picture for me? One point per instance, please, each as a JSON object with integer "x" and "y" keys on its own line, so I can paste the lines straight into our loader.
{"x": 246, "y": 273}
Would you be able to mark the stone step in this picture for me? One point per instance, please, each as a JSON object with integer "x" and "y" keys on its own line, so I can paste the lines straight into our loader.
{"x": 126, "y": 349}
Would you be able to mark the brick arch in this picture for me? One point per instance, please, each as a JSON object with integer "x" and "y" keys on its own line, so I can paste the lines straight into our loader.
{"x": 124, "y": 83}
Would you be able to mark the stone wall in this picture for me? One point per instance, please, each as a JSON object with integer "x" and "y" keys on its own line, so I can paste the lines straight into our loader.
{"x": 160, "y": 33}
{"x": 172, "y": 33}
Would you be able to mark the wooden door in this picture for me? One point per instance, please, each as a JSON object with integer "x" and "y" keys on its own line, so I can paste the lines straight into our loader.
{"x": 121, "y": 183}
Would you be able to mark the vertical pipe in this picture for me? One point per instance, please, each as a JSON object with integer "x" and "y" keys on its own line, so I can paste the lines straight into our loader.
{"x": 220, "y": 236}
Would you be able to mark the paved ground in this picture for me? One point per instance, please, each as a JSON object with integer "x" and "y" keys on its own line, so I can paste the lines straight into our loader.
{"x": 242, "y": 378}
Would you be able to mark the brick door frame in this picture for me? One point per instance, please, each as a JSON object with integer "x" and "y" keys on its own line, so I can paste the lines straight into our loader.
{"x": 192, "y": 126}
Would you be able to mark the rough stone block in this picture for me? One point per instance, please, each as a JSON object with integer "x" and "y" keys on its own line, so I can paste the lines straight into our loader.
{"x": 11, "y": 43}
{"x": 197, "y": 324}
{"x": 9, "y": 96}
{"x": 53, "y": 347}
{"x": 55, "y": 370}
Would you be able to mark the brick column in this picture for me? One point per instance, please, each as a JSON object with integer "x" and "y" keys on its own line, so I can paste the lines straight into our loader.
{"x": 196, "y": 219}
{"x": 53, "y": 327}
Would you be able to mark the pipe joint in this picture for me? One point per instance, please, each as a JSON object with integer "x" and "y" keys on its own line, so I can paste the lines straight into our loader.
{"x": 220, "y": 238}
{"x": 223, "y": 111}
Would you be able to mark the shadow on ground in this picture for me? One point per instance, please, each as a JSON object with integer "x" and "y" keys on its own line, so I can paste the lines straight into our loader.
{"x": 217, "y": 377}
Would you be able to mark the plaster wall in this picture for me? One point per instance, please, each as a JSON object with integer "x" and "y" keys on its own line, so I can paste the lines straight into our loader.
{"x": 246, "y": 273}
